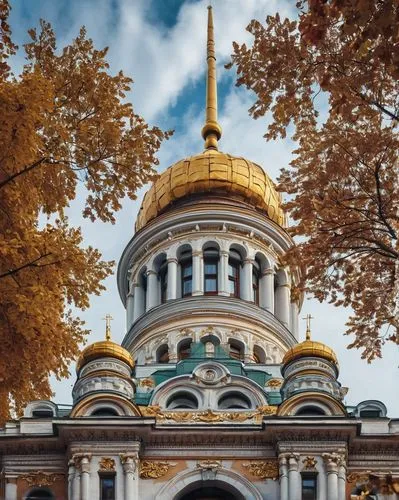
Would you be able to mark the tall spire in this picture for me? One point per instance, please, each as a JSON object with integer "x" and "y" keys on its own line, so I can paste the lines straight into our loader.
{"x": 211, "y": 131}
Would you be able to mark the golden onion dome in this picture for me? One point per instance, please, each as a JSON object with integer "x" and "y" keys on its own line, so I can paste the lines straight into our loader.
{"x": 104, "y": 349}
{"x": 212, "y": 171}
{"x": 310, "y": 348}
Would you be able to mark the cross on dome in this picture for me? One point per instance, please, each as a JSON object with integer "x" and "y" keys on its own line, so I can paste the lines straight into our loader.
{"x": 108, "y": 318}
{"x": 308, "y": 318}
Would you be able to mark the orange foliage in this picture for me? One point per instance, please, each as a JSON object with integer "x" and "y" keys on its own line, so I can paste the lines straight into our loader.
{"x": 62, "y": 121}
{"x": 330, "y": 76}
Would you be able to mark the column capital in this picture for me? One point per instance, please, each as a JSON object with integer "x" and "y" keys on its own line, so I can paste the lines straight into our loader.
{"x": 224, "y": 253}
{"x": 150, "y": 272}
{"x": 129, "y": 462}
{"x": 248, "y": 261}
{"x": 332, "y": 461}
{"x": 268, "y": 272}
{"x": 172, "y": 260}
{"x": 80, "y": 461}
{"x": 197, "y": 253}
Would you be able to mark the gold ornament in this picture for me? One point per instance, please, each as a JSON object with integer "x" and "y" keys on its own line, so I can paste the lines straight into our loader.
{"x": 267, "y": 409}
{"x": 263, "y": 469}
{"x": 274, "y": 382}
{"x": 40, "y": 478}
{"x": 150, "y": 411}
{"x": 154, "y": 470}
{"x": 309, "y": 463}
{"x": 146, "y": 382}
{"x": 107, "y": 464}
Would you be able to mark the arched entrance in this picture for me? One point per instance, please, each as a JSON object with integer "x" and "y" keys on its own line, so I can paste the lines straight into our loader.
{"x": 209, "y": 490}
{"x": 197, "y": 484}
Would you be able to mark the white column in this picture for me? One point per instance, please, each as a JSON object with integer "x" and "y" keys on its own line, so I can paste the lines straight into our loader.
{"x": 283, "y": 466}
{"x": 171, "y": 291}
{"x": 282, "y": 304}
{"x": 71, "y": 474}
{"x": 129, "y": 309}
{"x": 76, "y": 481}
{"x": 223, "y": 277}
{"x": 130, "y": 465}
{"x": 138, "y": 304}
{"x": 11, "y": 488}
{"x": 294, "y": 483}
{"x": 322, "y": 485}
{"x": 85, "y": 477}
{"x": 341, "y": 479}
{"x": 294, "y": 319}
{"x": 331, "y": 465}
{"x": 198, "y": 279}
{"x": 266, "y": 290}
{"x": 152, "y": 291}
{"x": 247, "y": 292}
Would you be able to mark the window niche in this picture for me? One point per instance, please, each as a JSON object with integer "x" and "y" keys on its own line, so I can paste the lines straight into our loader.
{"x": 107, "y": 485}
{"x": 211, "y": 263}
{"x": 309, "y": 485}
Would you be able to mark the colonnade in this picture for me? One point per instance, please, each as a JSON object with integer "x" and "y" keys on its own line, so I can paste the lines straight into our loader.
{"x": 81, "y": 475}
{"x": 331, "y": 478}
{"x": 274, "y": 296}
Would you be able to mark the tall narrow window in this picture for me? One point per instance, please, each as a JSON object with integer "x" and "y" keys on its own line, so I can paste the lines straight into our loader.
{"x": 234, "y": 273}
{"x": 107, "y": 486}
{"x": 309, "y": 486}
{"x": 163, "y": 278}
{"x": 186, "y": 273}
{"x": 211, "y": 257}
{"x": 255, "y": 281}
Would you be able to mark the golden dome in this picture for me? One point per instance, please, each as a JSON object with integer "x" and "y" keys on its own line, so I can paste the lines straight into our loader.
{"x": 310, "y": 348}
{"x": 212, "y": 171}
{"x": 104, "y": 349}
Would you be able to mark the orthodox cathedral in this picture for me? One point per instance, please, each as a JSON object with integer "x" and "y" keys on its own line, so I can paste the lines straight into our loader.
{"x": 211, "y": 395}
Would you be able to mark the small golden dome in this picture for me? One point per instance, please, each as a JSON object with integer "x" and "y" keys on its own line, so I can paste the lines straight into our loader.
{"x": 310, "y": 348}
{"x": 207, "y": 172}
{"x": 104, "y": 349}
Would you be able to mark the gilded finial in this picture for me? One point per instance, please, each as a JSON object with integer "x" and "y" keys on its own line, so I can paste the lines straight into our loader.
{"x": 308, "y": 317}
{"x": 211, "y": 131}
{"x": 108, "y": 318}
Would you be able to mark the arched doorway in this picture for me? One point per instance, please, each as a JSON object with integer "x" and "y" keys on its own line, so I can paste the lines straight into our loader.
{"x": 209, "y": 490}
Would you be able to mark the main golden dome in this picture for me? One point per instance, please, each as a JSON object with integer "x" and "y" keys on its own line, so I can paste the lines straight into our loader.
{"x": 104, "y": 349}
{"x": 212, "y": 171}
{"x": 310, "y": 348}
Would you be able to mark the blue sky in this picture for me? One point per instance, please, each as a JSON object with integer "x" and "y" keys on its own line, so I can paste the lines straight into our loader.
{"x": 161, "y": 44}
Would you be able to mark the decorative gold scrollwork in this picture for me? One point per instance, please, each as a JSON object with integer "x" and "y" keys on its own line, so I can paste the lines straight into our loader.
{"x": 154, "y": 470}
{"x": 107, "y": 464}
{"x": 40, "y": 478}
{"x": 267, "y": 469}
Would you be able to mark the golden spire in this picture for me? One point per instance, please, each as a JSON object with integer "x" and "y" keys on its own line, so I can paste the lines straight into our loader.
{"x": 211, "y": 131}
{"x": 108, "y": 319}
{"x": 308, "y": 317}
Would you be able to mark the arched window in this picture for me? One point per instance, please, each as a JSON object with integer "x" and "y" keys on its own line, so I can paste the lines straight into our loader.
{"x": 104, "y": 412}
{"x": 182, "y": 400}
{"x": 163, "y": 354}
{"x": 310, "y": 411}
{"x": 184, "y": 349}
{"x": 259, "y": 355}
{"x": 234, "y": 273}
{"x": 211, "y": 260}
{"x": 186, "y": 263}
{"x": 236, "y": 350}
{"x": 40, "y": 494}
{"x": 234, "y": 401}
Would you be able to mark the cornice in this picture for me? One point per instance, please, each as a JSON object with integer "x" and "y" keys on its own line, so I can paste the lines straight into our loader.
{"x": 203, "y": 306}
